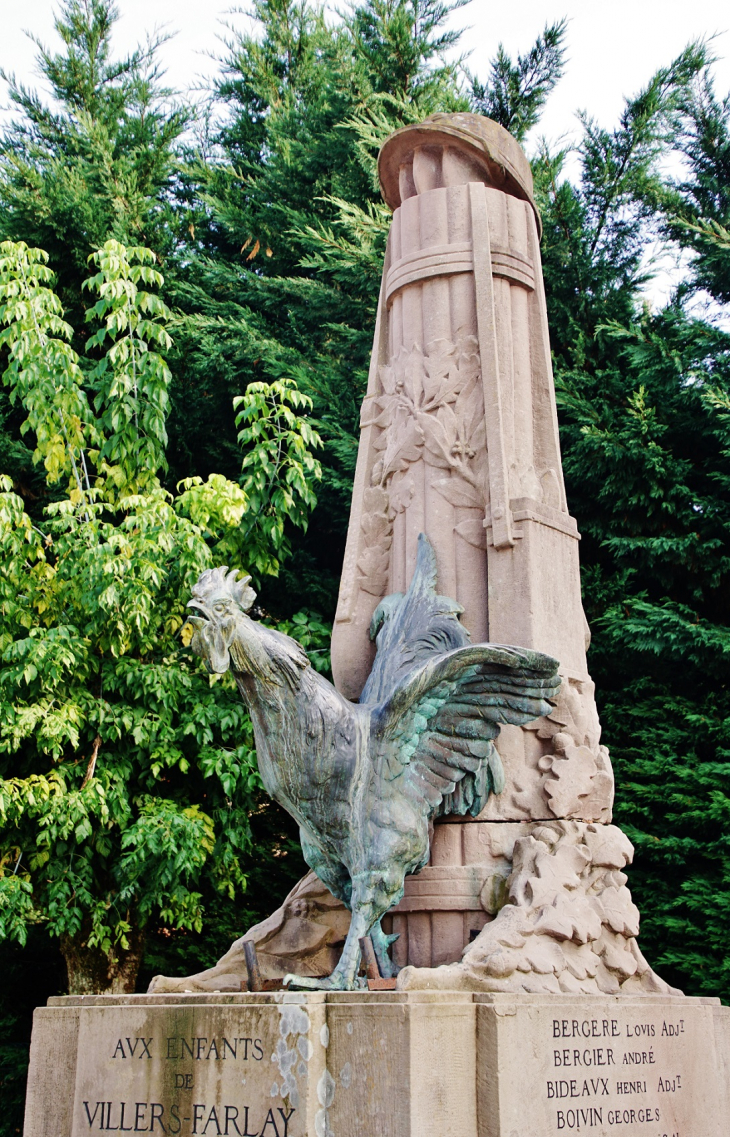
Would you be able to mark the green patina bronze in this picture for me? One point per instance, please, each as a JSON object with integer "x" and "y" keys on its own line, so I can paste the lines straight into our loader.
{"x": 364, "y": 780}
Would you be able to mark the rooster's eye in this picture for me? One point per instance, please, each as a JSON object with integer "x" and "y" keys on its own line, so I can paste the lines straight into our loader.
{"x": 220, "y": 606}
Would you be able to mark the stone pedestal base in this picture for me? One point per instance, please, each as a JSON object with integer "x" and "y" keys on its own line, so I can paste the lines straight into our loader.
{"x": 396, "y": 1064}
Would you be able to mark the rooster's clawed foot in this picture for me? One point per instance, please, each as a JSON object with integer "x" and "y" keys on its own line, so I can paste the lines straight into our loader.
{"x": 333, "y": 982}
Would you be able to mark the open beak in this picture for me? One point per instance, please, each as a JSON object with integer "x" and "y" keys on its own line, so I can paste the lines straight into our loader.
{"x": 193, "y": 625}
{"x": 206, "y": 638}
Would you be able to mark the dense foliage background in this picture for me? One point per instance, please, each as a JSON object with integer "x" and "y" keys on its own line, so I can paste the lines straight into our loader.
{"x": 262, "y": 211}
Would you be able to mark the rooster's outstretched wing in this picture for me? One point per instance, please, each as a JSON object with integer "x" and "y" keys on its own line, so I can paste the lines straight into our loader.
{"x": 410, "y": 630}
{"x": 435, "y": 733}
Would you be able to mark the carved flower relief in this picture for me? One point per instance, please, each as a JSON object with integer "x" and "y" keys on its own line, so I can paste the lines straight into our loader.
{"x": 431, "y": 409}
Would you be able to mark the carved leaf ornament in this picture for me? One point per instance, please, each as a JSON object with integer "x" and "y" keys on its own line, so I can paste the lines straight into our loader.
{"x": 431, "y": 409}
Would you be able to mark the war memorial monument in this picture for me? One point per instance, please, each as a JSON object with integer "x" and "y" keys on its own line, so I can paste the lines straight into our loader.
{"x": 453, "y": 796}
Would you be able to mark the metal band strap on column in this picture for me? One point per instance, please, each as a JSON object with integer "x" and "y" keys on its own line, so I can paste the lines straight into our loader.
{"x": 487, "y": 333}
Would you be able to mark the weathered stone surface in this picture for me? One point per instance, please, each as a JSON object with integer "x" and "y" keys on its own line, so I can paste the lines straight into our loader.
{"x": 721, "y": 1020}
{"x": 52, "y": 1071}
{"x": 208, "y": 1069}
{"x": 553, "y": 1066}
{"x": 150, "y": 1065}
{"x": 405, "y": 1064}
{"x": 396, "y": 1081}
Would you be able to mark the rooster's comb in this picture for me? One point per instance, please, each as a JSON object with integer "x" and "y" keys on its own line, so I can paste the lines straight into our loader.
{"x": 219, "y": 581}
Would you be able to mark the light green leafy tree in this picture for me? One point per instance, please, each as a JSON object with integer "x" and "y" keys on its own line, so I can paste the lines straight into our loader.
{"x": 279, "y": 468}
{"x": 127, "y": 771}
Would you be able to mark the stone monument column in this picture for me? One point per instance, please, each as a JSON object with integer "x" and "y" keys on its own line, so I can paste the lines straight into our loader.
{"x": 460, "y": 441}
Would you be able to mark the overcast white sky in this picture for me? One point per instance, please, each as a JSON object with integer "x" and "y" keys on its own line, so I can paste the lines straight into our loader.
{"x": 614, "y": 46}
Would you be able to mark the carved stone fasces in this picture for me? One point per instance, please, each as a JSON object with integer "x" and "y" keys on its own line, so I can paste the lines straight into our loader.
{"x": 453, "y": 148}
{"x": 459, "y": 428}
{"x": 459, "y": 440}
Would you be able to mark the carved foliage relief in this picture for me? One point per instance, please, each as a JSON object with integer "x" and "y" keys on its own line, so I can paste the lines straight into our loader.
{"x": 568, "y": 926}
{"x": 431, "y": 409}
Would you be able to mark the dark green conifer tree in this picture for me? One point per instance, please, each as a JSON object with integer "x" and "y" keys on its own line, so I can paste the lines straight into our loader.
{"x": 695, "y": 208}
{"x": 92, "y": 156}
{"x": 95, "y": 160}
{"x": 643, "y": 400}
{"x": 292, "y": 231}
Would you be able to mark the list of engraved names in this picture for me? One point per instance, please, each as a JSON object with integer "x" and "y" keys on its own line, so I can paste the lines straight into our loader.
{"x": 606, "y": 1074}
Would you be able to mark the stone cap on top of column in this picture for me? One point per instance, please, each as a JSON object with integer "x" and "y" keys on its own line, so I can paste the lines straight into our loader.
{"x": 494, "y": 156}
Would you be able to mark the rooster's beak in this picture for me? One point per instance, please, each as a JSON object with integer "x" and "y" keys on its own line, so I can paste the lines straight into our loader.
{"x": 206, "y": 639}
{"x": 193, "y": 626}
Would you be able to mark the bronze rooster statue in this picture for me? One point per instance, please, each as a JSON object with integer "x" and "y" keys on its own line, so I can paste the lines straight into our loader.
{"x": 364, "y": 780}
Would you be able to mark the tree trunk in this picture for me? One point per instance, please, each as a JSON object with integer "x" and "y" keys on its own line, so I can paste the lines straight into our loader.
{"x": 94, "y": 972}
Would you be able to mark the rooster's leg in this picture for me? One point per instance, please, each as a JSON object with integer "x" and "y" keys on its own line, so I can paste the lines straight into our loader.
{"x": 381, "y": 943}
{"x": 373, "y": 893}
